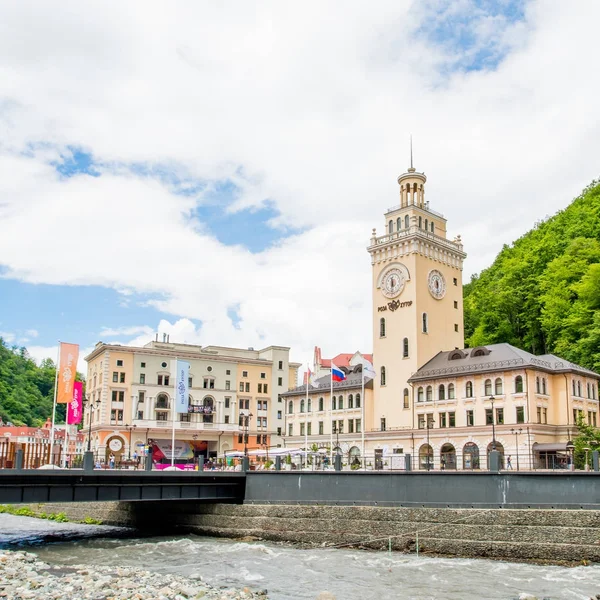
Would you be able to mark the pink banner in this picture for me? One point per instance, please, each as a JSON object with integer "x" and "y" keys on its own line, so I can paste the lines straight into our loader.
{"x": 75, "y": 407}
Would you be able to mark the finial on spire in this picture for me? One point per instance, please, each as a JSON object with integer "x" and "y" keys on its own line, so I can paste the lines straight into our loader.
{"x": 411, "y": 169}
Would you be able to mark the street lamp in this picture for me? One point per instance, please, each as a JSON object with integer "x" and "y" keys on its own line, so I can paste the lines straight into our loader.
{"x": 430, "y": 423}
{"x": 587, "y": 467}
{"x": 517, "y": 432}
{"x": 91, "y": 408}
{"x": 130, "y": 428}
{"x": 493, "y": 425}
{"x": 246, "y": 425}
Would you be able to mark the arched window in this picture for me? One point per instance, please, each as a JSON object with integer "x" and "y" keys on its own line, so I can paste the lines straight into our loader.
{"x": 420, "y": 223}
{"x": 405, "y": 398}
{"x": 469, "y": 389}
{"x": 406, "y": 222}
{"x": 498, "y": 386}
{"x": 333, "y": 403}
{"x": 574, "y": 391}
{"x": 382, "y": 375}
{"x": 420, "y": 394}
{"x": 350, "y": 401}
{"x": 309, "y": 407}
{"x": 451, "y": 394}
{"x": 391, "y": 227}
{"x": 357, "y": 400}
{"x": 426, "y": 224}
{"x": 424, "y": 322}
{"x": 429, "y": 393}
{"x": 518, "y": 384}
{"x": 208, "y": 407}
{"x": 302, "y": 405}
{"x": 399, "y": 223}
{"x": 441, "y": 392}
{"x": 340, "y": 402}
{"x": 405, "y": 348}
{"x": 470, "y": 456}
{"x": 537, "y": 385}
{"x": 432, "y": 227}
{"x": 290, "y": 408}
{"x": 321, "y": 404}
{"x": 544, "y": 386}
{"x": 488, "y": 387}
{"x": 382, "y": 327}
{"x": 588, "y": 391}
{"x": 579, "y": 388}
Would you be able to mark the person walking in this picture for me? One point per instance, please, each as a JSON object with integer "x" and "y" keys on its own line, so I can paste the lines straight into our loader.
{"x": 508, "y": 462}
{"x": 111, "y": 461}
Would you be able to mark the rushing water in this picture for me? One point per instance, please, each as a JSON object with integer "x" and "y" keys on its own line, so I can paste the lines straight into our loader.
{"x": 290, "y": 573}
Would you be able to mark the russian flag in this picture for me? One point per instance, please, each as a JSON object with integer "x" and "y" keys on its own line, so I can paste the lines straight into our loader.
{"x": 337, "y": 374}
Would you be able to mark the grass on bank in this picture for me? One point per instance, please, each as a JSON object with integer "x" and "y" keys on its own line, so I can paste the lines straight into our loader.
{"x": 60, "y": 517}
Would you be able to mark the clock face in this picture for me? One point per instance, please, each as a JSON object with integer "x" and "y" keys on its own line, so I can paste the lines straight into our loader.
{"x": 393, "y": 283}
{"x": 437, "y": 285}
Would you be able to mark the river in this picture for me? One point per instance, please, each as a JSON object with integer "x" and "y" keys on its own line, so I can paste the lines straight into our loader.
{"x": 290, "y": 573}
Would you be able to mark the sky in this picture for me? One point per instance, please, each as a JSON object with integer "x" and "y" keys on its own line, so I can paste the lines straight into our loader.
{"x": 213, "y": 171}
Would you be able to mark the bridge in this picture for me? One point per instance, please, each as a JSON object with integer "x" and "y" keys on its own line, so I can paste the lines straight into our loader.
{"x": 33, "y": 486}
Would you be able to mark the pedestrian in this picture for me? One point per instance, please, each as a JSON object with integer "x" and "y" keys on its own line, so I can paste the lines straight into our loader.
{"x": 508, "y": 462}
{"x": 443, "y": 463}
{"x": 111, "y": 461}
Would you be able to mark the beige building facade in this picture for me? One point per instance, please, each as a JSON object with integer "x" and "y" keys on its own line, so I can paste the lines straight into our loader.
{"x": 130, "y": 397}
{"x": 444, "y": 404}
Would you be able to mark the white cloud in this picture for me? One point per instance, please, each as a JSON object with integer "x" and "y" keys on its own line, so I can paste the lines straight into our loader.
{"x": 8, "y": 337}
{"x": 32, "y": 333}
{"x": 310, "y": 107}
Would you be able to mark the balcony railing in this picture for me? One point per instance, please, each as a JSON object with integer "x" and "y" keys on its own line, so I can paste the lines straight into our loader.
{"x": 187, "y": 425}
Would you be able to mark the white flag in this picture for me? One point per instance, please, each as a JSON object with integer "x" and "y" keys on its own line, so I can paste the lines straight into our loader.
{"x": 311, "y": 379}
{"x": 368, "y": 370}
{"x": 182, "y": 371}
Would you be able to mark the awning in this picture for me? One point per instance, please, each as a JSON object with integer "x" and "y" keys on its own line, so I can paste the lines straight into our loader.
{"x": 551, "y": 447}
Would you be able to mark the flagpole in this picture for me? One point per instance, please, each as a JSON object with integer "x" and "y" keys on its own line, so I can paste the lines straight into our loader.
{"x": 54, "y": 405}
{"x": 362, "y": 415}
{"x": 306, "y": 421}
{"x": 173, "y": 415}
{"x": 331, "y": 417}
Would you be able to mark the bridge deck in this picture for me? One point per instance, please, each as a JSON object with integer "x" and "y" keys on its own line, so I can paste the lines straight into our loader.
{"x": 77, "y": 486}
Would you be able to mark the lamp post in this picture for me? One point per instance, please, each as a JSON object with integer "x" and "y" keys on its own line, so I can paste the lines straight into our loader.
{"x": 130, "y": 428}
{"x": 570, "y": 448}
{"x": 493, "y": 425}
{"x": 517, "y": 432}
{"x": 587, "y": 466}
{"x": 91, "y": 408}
{"x": 246, "y": 426}
{"x": 430, "y": 423}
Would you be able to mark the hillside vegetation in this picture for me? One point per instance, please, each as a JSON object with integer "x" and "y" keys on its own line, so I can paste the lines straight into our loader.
{"x": 542, "y": 293}
{"x": 26, "y": 390}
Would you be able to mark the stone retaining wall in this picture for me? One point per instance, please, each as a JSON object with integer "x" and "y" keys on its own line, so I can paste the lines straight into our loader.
{"x": 513, "y": 534}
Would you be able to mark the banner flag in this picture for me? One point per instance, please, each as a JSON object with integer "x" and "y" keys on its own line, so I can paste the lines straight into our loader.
{"x": 368, "y": 370}
{"x": 182, "y": 369}
{"x": 74, "y": 408}
{"x": 69, "y": 353}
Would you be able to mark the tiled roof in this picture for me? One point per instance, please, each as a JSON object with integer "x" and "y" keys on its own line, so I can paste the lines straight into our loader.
{"x": 353, "y": 381}
{"x": 495, "y": 357}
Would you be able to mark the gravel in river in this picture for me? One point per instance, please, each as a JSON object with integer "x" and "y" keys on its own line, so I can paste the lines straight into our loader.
{"x": 24, "y": 576}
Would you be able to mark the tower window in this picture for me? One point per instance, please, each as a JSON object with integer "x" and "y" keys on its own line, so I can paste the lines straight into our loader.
{"x": 382, "y": 327}
{"x": 455, "y": 304}
{"x": 382, "y": 375}
{"x": 406, "y": 222}
{"x": 399, "y": 223}
{"x": 426, "y": 225}
{"x": 425, "y": 323}
{"x": 406, "y": 405}
{"x": 391, "y": 227}
{"x": 456, "y": 327}
{"x": 455, "y": 281}
{"x": 405, "y": 348}
{"x": 420, "y": 223}
{"x": 432, "y": 228}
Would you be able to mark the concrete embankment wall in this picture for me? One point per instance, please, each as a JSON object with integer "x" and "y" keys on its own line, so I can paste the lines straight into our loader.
{"x": 513, "y": 534}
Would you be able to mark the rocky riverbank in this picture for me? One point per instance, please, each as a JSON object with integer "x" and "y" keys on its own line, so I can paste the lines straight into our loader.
{"x": 24, "y": 576}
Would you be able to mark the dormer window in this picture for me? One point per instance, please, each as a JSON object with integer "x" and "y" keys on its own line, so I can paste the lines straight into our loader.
{"x": 480, "y": 351}
{"x": 456, "y": 355}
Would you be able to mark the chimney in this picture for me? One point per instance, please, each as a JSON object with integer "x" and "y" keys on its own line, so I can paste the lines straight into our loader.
{"x": 164, "y": 338}
{"x": 168, "y": 337}
{"x": 156, "y": 338}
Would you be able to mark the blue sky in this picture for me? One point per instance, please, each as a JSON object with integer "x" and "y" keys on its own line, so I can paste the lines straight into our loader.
{"x": 220, "y": 172}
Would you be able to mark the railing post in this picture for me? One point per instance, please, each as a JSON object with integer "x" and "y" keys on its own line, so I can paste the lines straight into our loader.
{"x": 595, "y": 461}
{"x": 494, "y": 461}
{"x": 19, "y": 460}
{"x": 200, "y": 463}
{"x": 245, "y": 464}
{"x": 278, "y": 463}
{"x": 88, "y": 461}
{"x": 407, "y": 462}
{"x": 148, "y": 465}
{"x": 337, "y": 462}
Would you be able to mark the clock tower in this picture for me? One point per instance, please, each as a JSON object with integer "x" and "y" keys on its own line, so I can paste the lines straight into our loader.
{"x": 417, "y": 298}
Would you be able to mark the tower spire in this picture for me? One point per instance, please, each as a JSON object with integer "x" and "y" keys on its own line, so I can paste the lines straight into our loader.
{"x": 411, "y": 169}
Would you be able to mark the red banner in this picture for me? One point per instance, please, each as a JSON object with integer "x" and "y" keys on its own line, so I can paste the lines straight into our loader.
{"x": 69, "y": 353}
{"x": 75, "y": 407}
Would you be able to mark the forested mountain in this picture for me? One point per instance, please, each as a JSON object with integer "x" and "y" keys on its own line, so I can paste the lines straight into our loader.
{"x": 542, "y": 293}
{"x": 26, "y": 390}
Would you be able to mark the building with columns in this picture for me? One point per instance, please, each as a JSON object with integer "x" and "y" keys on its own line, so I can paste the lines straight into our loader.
{"x": 444, "y": 404}
{"x": 234, "y": 398}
